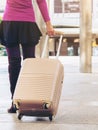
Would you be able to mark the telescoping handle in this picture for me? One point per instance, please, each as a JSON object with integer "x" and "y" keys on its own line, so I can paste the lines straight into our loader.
{"x": 45, "y": 46}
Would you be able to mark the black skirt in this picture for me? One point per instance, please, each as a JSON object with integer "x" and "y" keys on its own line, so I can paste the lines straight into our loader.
{"x": 13, "y": 33}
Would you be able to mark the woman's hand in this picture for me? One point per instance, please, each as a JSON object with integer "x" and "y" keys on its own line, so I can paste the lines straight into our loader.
{"x": 49, "y": 28}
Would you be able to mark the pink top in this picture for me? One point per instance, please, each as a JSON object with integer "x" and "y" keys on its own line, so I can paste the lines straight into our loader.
{"x": 22, "y": 10}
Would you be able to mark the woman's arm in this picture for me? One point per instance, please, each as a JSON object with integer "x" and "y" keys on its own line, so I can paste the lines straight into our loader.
{"x": 44, "y": 11}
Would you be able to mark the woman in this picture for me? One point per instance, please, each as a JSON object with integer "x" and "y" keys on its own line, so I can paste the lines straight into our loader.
{"x": 19, "y": 27}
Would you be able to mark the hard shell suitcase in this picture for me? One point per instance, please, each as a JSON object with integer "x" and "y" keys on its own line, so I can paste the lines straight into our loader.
{"x": 39, "y": 86}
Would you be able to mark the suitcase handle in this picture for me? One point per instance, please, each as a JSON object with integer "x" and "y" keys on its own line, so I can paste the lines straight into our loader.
{"x": 45, "y": 45}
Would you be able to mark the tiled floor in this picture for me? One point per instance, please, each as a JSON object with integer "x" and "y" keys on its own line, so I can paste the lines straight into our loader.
{"x": 78, "y": 108}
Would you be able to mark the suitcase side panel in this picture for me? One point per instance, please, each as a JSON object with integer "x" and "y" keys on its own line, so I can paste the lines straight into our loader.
{"x": 58, "y": 89}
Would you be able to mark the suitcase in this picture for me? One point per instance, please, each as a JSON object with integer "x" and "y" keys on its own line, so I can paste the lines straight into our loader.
{"x": 39, "y": 86}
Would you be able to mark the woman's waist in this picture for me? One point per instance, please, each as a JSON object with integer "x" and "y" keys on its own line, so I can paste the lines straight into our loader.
{"x": 18, "y": 15}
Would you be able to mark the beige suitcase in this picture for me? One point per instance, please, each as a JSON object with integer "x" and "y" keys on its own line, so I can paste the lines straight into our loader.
{"x": 39, "y": 87}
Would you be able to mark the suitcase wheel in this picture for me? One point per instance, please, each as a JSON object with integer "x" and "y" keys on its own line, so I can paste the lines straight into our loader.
{"x": 20, "y": 116}
{"x": 50, "y": 117}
